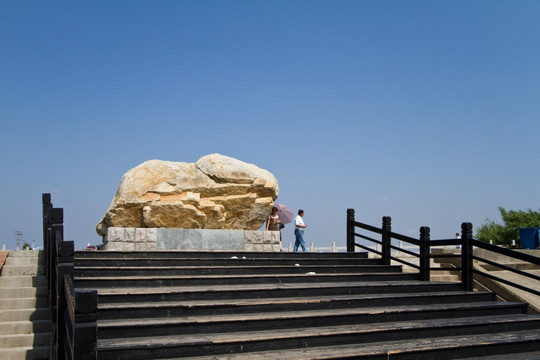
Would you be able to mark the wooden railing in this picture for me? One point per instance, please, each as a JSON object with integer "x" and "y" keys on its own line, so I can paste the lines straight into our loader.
{"x": 74, "y": 311}
{"x": 424, "y": 244}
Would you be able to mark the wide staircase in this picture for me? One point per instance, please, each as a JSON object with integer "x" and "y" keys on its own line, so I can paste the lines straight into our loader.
{"x": 231, "y": 305}
{"x": 25, "y": 318}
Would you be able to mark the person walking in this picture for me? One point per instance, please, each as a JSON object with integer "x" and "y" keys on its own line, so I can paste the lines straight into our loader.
{"x": 299, "y": 232}
{"x": 459, "y": 238}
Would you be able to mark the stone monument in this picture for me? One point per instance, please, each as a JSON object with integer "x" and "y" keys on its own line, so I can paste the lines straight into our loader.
{"x": 216, "y": 203}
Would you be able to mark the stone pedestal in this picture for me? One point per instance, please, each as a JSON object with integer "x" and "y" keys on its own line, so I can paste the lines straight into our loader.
{"x": 148, "y": 239}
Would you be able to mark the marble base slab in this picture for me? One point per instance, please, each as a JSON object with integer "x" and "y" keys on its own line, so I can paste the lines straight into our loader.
{"x": 148, "y": 239}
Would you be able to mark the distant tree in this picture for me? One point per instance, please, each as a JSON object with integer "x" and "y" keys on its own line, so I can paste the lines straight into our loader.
{"x": 26, "y": 246}
{"x": 504, "y": 234}
{"x": 490, "y": 230}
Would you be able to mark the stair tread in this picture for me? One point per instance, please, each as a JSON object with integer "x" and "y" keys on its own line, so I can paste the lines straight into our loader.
{"x": 41, "y": 333}
{"x": 35, "y": 309}
{"x": 535, "y": 355}
{"x": 271, "y": 301}
{"x": 25, "y": 326}
{"x": 213, "y": 254}
{"x": 22, "y": 287}
{"x": 235, "y": 258}
{"x": 26, "y": 321}
{"x": 281, "y": 334}
{"x": 388, "y": 348}
{"x": 283, "y": 315}
{"x": 24, "y": 348}
{"x": 240, "y": 276}
{"x": 247, "y": 267}
{"x": 272, "y": 286}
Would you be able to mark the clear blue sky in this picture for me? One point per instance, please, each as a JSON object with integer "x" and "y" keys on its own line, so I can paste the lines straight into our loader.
{"x": 425, "y": 111}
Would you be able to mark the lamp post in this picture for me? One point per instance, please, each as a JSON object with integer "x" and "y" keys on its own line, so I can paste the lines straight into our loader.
{"x": 18, "y": 236}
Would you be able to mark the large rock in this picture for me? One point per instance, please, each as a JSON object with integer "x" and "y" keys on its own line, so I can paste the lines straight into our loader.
{"x": 217, "y": 192}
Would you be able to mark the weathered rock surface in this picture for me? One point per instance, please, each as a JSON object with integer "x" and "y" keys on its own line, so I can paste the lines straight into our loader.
{"x": 217, "y": 192}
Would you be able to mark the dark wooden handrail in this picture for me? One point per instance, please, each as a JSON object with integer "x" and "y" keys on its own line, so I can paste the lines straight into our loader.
{"x": 368, "y": 227}
{"x": 445, "y": 242}
{"x": 404, "y": 238}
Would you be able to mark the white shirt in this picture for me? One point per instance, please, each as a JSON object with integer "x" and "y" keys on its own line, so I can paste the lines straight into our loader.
{"x": 299, "y": 221}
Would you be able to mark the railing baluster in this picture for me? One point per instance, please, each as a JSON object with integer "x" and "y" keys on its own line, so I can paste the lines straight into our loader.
{"x": 85, "y": 330}
{"x": 47, "y": 209}
{"x": 57, "y": 230}
{"x": 80, "y": 326}
{"x": 424, "y": 254}
{"x": 64, "y": 267}
{"x": 350, "y": 231}
{"x": 467, "y": 256}
{"x": 386, "y": 240}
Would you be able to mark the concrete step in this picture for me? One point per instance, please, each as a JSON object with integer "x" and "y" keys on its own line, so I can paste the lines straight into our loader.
{"x": 26, "y": 353}
{"x": 22, "y": 292}
{"x": 20, "y": 270}
{"x": 25, "y": 340}
{"x": 22, "y": 281}
{"x": 10, "y": 261}
{"x": 26, "y": 314}
{"x": 25, "y": 327}
{"x": 445, "y": 277}
{"x": 223, "y": 343}
{"x": 23, "y": 303}
{"x": 25, "y": 253}
{"x": 297, "y": 319}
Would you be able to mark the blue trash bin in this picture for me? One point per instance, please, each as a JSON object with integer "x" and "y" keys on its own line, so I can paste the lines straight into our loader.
{"x": 529, "y": 237}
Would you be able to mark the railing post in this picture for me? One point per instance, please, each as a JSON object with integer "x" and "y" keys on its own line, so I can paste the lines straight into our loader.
{"x": 424, "y": 254}
{"x": 57, "y": 230}
{"x": 85, "y": 331}
{"x": 64, "y": 267}
{"x": 47, "y": 209}
{"x": 467, "y": 256}
{"x": 386, "y": 240}
{"x": 350, "y": 230}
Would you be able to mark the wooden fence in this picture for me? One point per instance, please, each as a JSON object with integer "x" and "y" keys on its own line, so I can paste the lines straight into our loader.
{"x": 424, "y": 245}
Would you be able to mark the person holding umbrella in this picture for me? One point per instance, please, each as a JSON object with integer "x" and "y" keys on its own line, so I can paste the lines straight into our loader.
{"x": 274, "y": 224}
{"x": 274, "y": 221}
{"x": 281, "y": 215}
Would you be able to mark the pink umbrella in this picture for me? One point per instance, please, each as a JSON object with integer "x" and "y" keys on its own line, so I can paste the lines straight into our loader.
{"x": 285, "y": 213}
